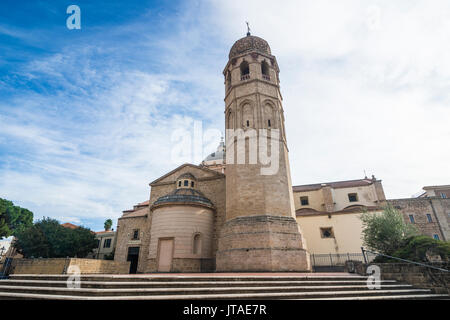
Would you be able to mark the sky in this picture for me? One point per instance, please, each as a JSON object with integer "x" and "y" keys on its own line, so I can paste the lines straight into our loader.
{"x": 89, "y": 117}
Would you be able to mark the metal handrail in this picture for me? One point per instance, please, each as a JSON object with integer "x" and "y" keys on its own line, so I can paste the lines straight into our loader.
{"x": 408, "y": 261}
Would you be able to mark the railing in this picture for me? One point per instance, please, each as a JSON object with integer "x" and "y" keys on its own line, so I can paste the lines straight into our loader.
{"x": 266, "y": 77}
{"x": 335, "y": 261}
{"x": 400, "y": 259}
{"x": 245, "y": 77}
{"x": 6, "y": 268}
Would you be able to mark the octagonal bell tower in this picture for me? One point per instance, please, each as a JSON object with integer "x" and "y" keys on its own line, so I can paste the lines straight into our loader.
{"x": 260, "y": 232}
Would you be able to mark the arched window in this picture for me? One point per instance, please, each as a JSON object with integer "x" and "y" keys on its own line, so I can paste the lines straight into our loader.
{"x": 245, "y": 70}
{"x": 230, "y": 120}
{"x": 192, "y": 184}
{"x": 196, "y": 245}
{"x": 265, "y": 70}
{"x": 186, "y": 183}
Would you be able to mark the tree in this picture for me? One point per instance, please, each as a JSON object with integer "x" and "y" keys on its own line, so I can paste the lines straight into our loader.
{"x": 418, "y": 248}
{"x": 48, "y": 239}
{"x": 385, "y": 232}
{"x": 13, "y": 219}
{"x": 108, "y": 224}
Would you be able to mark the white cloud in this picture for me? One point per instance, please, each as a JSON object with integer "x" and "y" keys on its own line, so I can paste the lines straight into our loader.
{"x": 365, "y": 86}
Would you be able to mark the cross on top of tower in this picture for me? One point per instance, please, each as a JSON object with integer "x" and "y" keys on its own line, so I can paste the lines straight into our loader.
{"x": 248, "y": 28}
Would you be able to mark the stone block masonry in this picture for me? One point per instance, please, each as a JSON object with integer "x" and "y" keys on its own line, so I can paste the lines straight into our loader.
{"x": 61, "y": 265}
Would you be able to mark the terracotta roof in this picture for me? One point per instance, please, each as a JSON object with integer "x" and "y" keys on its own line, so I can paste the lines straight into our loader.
{"x": 69, "y": 225}
{"x": 350, "y": 209}
{"x": 334, "y": 185}
{"x": 436, "y": 187}
{"x": 104, "y": 231}
{"x": 132, "y": 213}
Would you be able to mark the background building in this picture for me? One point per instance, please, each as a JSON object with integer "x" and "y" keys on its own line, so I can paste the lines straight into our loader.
{"x": 328, "y": 213}
{"x": 429, "y": 211}
{"x": 106, "y": 241}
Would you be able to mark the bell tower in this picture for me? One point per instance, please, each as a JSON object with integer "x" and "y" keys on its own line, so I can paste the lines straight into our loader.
{"x": 260, "y": 232}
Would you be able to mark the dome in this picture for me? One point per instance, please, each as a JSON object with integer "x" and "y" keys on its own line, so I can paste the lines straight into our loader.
{"x": 249, "y": 43}
{"x": 184, "y": 196}
{"x": 219, "y": 154}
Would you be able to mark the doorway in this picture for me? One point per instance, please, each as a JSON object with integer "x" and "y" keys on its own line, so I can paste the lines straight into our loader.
{"x": 133, "y": 257}
{"x": 165, "y": 255}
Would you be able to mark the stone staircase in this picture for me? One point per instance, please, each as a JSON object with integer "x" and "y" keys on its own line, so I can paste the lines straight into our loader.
{"x": 212, "y": 286}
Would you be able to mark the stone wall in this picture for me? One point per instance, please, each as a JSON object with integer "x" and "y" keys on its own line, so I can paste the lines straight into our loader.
{"x": 61, "y": 265}
{"x": 418, "y": 276}
{"x": 439, "y": 210}
{"x": 125, "y": 227}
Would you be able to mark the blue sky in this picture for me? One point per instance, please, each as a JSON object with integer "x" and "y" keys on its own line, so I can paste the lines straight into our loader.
{"x": 86, "y": 116}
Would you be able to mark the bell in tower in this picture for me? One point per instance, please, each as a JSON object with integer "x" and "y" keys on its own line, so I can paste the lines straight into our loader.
{"x": 260, "y": 232}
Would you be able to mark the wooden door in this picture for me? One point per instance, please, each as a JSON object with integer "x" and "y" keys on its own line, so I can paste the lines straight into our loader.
{"x": 165, "y": 255}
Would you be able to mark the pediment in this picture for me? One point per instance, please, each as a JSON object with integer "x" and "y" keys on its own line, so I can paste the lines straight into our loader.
{"x": 199, "y": 172}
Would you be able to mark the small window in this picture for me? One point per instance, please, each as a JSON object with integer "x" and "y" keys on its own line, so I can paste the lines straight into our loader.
{"x": 248, "y": 123}
{"x": 245, "y": 70}
{"x": 443, "y": 195}
{"x": 268, "y": 123}
{"x": 186, "y": 183}
{"x": 326, "y": 233}
{"x": 192, "y": 184}
{"x": 411, "y": 218}
{"x": 135, "y": 234}
{"x": 304, "y": 201}
{"x": 352, "y": 197}
{"x": 179, "y": 183}
{"x": 429, "y": 218}
{"x": 264, "y": 68}
{"x": 435, "y": 237}
{"x": 107, "y": 243}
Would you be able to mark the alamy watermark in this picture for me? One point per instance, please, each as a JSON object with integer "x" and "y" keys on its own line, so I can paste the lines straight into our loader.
{"x": 243, "y": 146}
{"x": 374, "y": 278}
{"x": 74, "y": 279}
{"x": 74, "y": 20}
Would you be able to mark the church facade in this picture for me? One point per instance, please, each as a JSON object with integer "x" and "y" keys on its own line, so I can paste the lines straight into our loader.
{"x": 225, "y": 214}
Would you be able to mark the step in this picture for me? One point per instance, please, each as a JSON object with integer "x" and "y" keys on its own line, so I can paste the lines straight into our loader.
{"x": 396, "y": 297}
{"x": 185, "y": 291}
{"x": 348, "y": 295}
{"x": 181, "y": 284}
{"x": 137, "y": 278}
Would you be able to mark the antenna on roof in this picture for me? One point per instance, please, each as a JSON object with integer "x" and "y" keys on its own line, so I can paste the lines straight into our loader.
{"x": 248, "y": 28}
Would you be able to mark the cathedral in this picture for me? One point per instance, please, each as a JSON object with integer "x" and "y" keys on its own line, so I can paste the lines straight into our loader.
{"x": 225, "y": 215}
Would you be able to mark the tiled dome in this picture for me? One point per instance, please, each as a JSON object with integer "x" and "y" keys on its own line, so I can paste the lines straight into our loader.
{"x": 249, "y": 43}
{"x": 184, "y": 196}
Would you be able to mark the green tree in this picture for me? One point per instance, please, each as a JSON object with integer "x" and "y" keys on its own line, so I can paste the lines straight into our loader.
{"x": 48, "y": 239}
{"x": 418, "y": 248}
{"x": 385, "y": 232}
{"x": 108, "y": 224}
{"x": 13, "y": 219}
